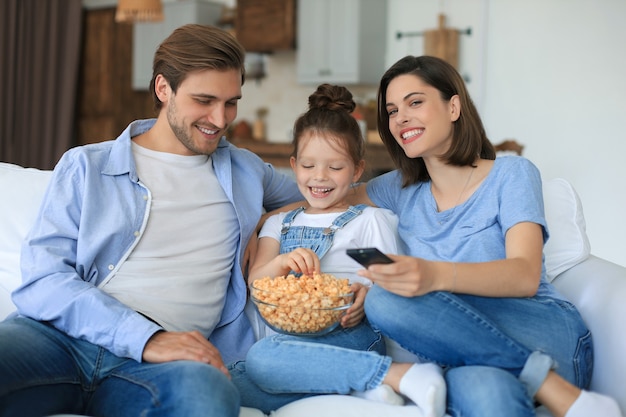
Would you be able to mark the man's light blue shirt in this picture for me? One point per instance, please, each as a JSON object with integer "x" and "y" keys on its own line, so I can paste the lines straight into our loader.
{"x": 94, "y": 213}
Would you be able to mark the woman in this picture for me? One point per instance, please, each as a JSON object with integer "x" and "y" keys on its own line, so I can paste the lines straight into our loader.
{"x": 473, "y": 293}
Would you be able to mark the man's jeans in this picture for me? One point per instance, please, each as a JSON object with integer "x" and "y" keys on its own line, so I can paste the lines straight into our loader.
{"x": 43, "y": 372}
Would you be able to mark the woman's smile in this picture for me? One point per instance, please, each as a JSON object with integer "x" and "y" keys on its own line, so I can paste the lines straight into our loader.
{"x": 411, "y": 134}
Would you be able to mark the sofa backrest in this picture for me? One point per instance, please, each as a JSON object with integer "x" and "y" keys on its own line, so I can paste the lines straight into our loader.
{"x": 22, "y": 190}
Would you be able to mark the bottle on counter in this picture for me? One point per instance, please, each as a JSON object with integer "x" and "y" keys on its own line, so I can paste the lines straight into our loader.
{"x": 360, "y": 119}
{"x": 258, "y": 128}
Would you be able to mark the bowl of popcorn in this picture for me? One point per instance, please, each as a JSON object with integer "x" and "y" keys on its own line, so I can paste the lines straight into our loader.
{"x": 308, "y": 305}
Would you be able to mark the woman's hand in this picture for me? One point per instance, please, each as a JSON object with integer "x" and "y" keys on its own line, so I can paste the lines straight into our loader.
{"x": 356, "y": 312}
{"x": 518, "y": 275}
{"x": 406, "y": 276}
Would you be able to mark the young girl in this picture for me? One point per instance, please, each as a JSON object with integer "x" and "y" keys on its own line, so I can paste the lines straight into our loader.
{"x": 473, "y": 293}
{"x": 327, "y": 161}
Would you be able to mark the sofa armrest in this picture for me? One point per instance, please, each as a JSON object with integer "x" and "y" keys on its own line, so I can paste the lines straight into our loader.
{"x": 598, "y": 288}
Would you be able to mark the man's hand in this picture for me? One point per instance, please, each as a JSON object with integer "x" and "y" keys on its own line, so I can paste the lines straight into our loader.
{"x": 171, "y": 346}
{"x": 249, "y": 255}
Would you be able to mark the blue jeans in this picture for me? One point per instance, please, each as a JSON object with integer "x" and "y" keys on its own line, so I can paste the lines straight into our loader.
{"x": 43, "y": 371}
{"x": 498, "y": 351}
{"x": 280, "y": 369}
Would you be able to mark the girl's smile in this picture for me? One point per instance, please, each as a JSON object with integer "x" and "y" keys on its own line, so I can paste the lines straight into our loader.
{"x": 324, "y": 172}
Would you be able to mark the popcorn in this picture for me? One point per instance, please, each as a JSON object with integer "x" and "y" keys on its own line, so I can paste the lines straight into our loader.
{"x": 304, "y": 305}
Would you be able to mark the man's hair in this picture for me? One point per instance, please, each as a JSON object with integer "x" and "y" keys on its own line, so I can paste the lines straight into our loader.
{"x": 193, "y": 48}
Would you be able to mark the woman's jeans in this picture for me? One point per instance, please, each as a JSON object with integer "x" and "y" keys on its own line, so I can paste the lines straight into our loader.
{"x": 498, "y": 351}
{"x": 280, "y": 369}
{"x": 44, "y": 372}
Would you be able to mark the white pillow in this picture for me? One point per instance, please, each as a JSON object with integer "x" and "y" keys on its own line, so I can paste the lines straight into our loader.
{"x": 22, "y": 190}
{"x": 568, "y": 244}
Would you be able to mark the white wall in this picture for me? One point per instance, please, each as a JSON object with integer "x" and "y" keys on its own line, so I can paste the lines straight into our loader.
{"x": 556, "y": 81}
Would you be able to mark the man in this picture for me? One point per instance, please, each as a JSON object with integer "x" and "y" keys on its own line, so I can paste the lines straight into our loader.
{"x": 133, "y": 294}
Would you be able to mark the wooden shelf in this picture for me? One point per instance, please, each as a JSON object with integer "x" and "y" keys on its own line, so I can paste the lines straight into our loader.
{"x": 377, "y": 160}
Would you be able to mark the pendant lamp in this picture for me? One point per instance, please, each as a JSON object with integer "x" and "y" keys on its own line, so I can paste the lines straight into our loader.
{"x": 129, "y": 11}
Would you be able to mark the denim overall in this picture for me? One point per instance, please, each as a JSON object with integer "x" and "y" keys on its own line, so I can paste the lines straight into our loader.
{"x": 318, "y": 239}
{"x": 291, "y": 356}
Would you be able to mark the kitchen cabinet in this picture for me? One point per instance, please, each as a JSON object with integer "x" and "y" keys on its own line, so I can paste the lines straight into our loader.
{"x": 106, "y": 103}
{"x": 341, "y": 41}
{"x": 266, "y": 25}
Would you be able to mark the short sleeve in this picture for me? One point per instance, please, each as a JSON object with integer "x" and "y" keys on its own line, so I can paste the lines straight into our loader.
{"x": 271, "y": 227}
{"x": 521, "y": 196}
{"x": 384, "y": 190}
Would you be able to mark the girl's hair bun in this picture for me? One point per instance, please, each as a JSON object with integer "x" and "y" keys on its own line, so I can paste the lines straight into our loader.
{"x": 329, "y": 117}
{"x": 332, "y": 97}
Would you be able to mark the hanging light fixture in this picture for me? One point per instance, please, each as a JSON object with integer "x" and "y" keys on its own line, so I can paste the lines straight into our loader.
{"x": 129, "y": 11}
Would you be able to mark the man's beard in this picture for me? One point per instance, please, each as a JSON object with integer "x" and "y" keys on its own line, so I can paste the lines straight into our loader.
{"x": 183, "y": 135}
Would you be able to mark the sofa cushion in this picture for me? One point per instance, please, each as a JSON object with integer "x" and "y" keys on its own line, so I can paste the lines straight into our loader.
{"x": 22, "y": 191}
{"x": 568, "y": 244}
{"x": 344, "y": 406}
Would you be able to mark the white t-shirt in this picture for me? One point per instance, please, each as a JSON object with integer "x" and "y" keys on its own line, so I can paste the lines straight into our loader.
{"x": 178, "y": 273}
{"x": 374, "y": 227}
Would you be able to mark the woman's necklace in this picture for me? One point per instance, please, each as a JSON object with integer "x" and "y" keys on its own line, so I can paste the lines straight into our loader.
{"x": 458, "y": 200}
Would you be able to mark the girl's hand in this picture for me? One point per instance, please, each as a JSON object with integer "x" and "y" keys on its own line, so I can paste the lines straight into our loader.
{"x": 406, "y": 276}
{"x": 356, "y": 312}
{"x": 301, "y": 260}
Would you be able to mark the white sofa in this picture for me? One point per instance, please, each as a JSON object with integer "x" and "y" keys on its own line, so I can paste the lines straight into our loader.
{"x": 596, "y": 286}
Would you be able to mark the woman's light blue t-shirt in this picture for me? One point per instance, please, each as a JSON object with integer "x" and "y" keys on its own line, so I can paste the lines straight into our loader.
{"x": 473, "y": 231}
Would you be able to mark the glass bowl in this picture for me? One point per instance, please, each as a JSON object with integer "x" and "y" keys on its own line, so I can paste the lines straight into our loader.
{"x": 301, "y": 306}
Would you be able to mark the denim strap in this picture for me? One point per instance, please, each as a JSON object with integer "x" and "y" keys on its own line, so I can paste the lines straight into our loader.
{"x": 327, "y": 232}
{"x": 289, "y": 219}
